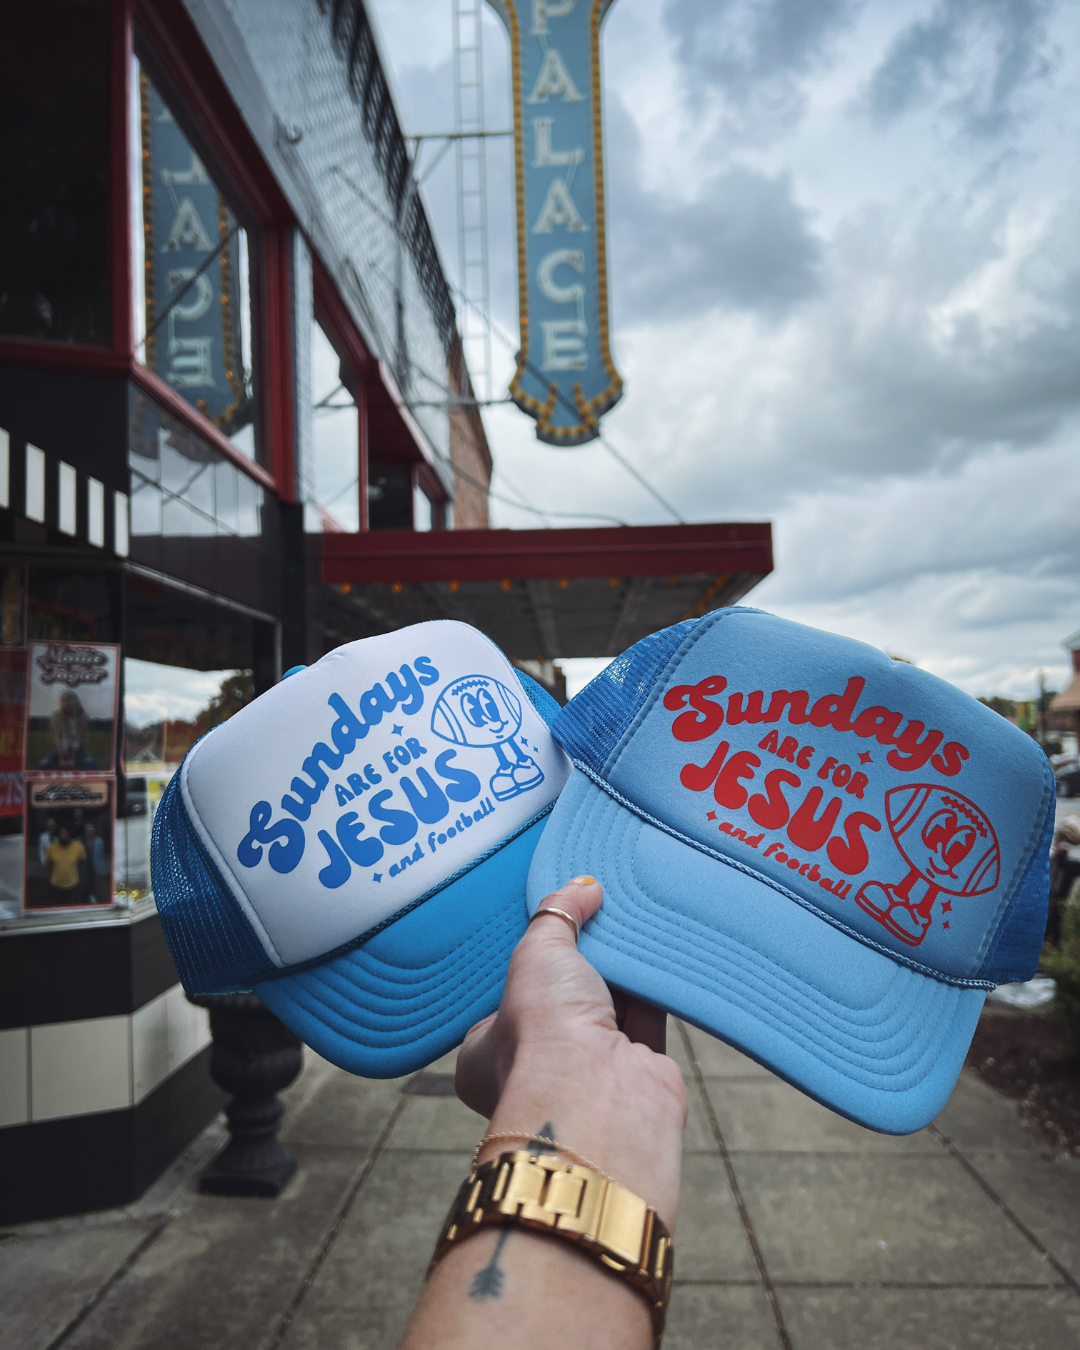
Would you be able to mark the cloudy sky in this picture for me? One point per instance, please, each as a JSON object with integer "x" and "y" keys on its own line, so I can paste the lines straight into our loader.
{"x": 845, "y": 279}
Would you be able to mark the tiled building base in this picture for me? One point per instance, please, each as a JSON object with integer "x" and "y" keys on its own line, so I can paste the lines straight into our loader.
{"x": 78, "y": 1163}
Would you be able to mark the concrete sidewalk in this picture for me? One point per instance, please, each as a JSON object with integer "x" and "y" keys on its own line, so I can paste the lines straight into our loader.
{"x": 797, "y": 1229}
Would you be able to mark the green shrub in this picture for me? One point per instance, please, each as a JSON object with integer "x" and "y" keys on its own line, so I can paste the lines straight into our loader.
{"x": 1062, "y": 963}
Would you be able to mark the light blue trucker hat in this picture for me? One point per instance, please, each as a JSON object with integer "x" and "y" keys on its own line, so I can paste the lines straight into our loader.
{"x": 354, "y": 844}
{"x": 819, "y": 854}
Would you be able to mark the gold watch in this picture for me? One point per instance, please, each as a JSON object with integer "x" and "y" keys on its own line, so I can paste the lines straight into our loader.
{"x": 544, "y": 1194}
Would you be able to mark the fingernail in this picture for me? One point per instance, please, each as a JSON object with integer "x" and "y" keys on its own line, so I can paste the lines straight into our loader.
{"x": 583, "y": 881}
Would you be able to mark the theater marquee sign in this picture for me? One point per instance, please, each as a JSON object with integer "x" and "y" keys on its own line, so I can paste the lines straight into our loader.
{"x": 565, "y": 376}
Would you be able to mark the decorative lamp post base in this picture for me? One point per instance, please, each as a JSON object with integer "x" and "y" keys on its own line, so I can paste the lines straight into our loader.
{"x": 254, "y": 1057}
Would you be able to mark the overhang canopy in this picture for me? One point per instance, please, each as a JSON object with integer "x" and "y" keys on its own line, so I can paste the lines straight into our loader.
{"x": 542, "y": 593}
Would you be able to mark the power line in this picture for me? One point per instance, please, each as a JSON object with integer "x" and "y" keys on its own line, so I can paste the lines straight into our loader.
{"x": 511, "y": 346}
{"x": 617, "y": 454}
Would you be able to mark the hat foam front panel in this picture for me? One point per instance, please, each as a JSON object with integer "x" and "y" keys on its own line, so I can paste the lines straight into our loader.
{"x": 350, "y": 791}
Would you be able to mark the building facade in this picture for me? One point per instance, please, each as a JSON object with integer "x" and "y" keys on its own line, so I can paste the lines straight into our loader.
{"x": 236, "y": 430}
{"x": 224, "y": 333}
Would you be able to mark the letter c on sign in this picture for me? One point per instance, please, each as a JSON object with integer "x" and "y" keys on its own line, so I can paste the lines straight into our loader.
{"x": 545, "y": 275}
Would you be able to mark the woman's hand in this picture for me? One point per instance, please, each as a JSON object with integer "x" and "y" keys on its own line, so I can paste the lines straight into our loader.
{"x": 566, "y": 1057}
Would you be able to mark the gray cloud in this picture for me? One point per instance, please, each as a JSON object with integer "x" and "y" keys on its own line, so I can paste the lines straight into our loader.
{"x": 975, "y": 57}
{"x": 745, "y": 243}
{"x": 862, "y": 334}
{"x": 751, "y": 53}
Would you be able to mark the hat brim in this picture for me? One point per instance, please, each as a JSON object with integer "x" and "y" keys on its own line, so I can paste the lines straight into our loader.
{"x": 872, "y": 1039}
{"x": 410, "y": 993}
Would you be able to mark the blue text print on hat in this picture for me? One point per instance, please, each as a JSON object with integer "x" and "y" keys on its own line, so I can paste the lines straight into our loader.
{"x": 818, "y": 853}
{"x": 355, "y": 843}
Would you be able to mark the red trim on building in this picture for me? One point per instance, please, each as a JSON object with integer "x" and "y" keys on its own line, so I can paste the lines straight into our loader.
{"x": 382, "y": 556}
{"x": 63, "y": 356}
{"x": 388, "y": 431}
{"x": 178, "y": 48}
{"x": 166, "y": 397}
{"x": 331, "y": 311}
{"x": 362, "y": 451}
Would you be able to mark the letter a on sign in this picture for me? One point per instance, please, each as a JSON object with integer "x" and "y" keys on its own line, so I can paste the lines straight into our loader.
{"x": 565, "y": 377}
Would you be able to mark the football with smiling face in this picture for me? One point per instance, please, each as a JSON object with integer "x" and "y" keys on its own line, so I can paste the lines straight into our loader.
{"x": 945, "y": 837}
{"x": 476, "y": 711}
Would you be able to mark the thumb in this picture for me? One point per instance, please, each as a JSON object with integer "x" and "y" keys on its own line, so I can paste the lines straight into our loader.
{"x": 579, "y": 899}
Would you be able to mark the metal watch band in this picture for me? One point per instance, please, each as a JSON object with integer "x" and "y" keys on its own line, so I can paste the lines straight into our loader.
{"x": 543, "y": 1193}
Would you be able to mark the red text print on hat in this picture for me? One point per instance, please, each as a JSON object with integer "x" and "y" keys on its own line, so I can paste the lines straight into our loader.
{"x": 822, "y": 855}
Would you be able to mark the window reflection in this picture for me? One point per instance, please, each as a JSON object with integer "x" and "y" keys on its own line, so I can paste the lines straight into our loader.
{"x": 192, "y": 272}
{"x": 194, "y": 514}
{"x": 180, "y": 485}
{"x": 335, "y": 436}
{"x": 166, "y": 709}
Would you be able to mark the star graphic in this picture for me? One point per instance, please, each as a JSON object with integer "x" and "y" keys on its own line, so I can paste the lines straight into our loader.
{"x": 711, "y": 815}
{"x": 865, "y": 757}
{"x": 945, "y": 924}
{"x": 397, "y": 730}
{"x": 377, "y": 876}
{"x": 946, "y": 905}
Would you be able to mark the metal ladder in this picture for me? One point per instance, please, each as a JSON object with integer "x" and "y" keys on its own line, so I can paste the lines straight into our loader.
{"x": 472, "y": 211}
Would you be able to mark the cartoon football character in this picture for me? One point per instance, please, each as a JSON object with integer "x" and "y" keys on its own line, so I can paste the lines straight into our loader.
{"x": 948, "y": 845}
{"x": 481, "y": 713}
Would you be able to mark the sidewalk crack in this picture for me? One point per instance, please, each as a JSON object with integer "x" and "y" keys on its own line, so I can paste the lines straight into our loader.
{"x": 335, "y": 1228}
{"x": 110, "y": 1284}
{"x": 1014, "y": 1219}
{"x": 733, "y": 1182}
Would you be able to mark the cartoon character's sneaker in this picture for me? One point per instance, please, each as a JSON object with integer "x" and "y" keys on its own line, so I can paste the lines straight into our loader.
{"x": 527, "y": 775}
{"x": 897, "y": 915}
{"x": 512, "y": 782}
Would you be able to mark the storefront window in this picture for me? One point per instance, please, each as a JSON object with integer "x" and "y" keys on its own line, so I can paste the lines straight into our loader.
{"x": 166, "y": 710}
{"x": 335, "y": 437}
{"x": 58, "y": 688}
{"x": 194, "y": 513}
{"x": 189, "y": 665}
{"x": 192, "y": 273}
{"x": 54, "y": 146}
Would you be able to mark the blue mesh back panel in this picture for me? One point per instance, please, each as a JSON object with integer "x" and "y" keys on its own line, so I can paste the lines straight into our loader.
{"x": 592, "y": 722}
{"x": 213, "y": 945}
{"x": 1015, "y": 952}
{"x": 539, "y": 697}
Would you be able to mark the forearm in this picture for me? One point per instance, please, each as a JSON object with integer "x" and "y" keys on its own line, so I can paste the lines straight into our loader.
{"x": 511, "y": 1288}
{"x": 559, "y": 1063}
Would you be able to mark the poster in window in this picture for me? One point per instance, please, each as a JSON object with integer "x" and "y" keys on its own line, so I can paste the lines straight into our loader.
{"x": 12, "y": 731}
{"x": 71, "y": 718}
{"x": 12, "y": 607}
{"x": 69, "y": 832}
